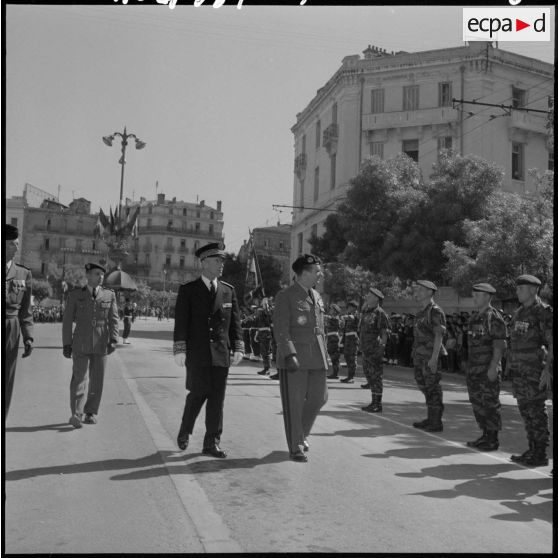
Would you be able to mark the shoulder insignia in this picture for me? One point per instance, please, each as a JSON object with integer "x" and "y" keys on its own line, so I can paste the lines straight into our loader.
{"x": 227, "y": 284}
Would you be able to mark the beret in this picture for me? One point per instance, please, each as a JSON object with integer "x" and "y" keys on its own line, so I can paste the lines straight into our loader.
{"x": 376, "y": 292}
{"x": 90, "y": 266}
{"x": 528, "y": 280}
{"x": 305, "y": 259}
{"x": 209, "y": 250}
{"x": 484, "y": 288}
{"x": 10, "y": 232}
{"x": 427, "y": 284}
{"x": 353, "y": 303}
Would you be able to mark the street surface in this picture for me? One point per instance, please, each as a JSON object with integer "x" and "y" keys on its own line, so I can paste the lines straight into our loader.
{"x": 373, "y": 483}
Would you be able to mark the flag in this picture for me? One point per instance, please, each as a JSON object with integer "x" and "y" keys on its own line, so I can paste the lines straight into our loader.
{"x": 254, "y": 283}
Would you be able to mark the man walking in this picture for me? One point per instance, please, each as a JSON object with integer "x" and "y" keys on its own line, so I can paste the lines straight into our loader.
{"x": 298, "y": 322}
{"x": 18, "y": 316}
{"x": 206, "y": 329}
{"x": 93, "y": 308}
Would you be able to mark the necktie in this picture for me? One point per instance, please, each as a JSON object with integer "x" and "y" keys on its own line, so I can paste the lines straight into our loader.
{"x": 212, "y": 289}
{"x": 311, "y": 295}
{"x": 94, "y": 293}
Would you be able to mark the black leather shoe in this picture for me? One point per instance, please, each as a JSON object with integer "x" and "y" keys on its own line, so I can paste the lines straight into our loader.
{"x": 182, "y": 441}
{"x": 347, "y": 381}
{"x": 298, "y": 456}
{"x": 215, "y": 451}
{"x": 263, "y": 372}
{"x": 274, "y": 377}
{"x": 365, "y": 386}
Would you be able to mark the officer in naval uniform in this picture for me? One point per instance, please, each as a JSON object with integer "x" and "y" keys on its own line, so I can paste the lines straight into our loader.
{"x": 298, "y": 322}
{"x": 206, "y": 329}
{"x": 93, "y": 309}
{"x": 18, "y": 318}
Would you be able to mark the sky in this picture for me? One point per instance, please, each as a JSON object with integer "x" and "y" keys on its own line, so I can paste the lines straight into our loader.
{"x": 212, "y": 92}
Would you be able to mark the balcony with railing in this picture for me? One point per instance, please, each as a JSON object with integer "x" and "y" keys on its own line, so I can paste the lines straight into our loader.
{"x": 330, "y": 137}
{"x": 190, "y": 231}
{"x": 300, "y": 165}
{"x": 530, "y": 122}
{"x": 404, "y": 118}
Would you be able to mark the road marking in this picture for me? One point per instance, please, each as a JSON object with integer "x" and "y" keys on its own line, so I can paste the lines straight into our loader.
{"x": 214, "y": 535}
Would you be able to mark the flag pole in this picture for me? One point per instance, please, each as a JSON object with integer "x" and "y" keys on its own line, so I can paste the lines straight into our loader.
{"x": 258, "y": 269}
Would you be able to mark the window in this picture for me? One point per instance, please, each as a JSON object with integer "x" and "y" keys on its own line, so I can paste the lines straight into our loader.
{"x": 300, "y": 239}
{"x": 334, "y": 113}
{"x": 48, "y": 225}
{"x": 303, "y": 144}
{"x": 551, "y": 160}
{"x": 184, "y": 212}
{"x": 149, "y": 223}
{"x": 167, "y": 261}
{"x": 198, "y": 214}
{"x": 170, "y": 210}
{"x": 518, "y": 163}
{"x": 444, "y": 94}
{"x": 411, "y": 97}
{"x": 210, "y": 230}
{"x": 410, "y": 148}
{"x": 266, "y": 243}
{"x": 314, "y": 231}
{"x": 377, "y": 148}
{"x": 147, "y": 258}
{"x": 182, "y": 260}
{"x": 169, "y": 242}
{"x": 169, "y": 224}
{"x": 281, "y": 245}
{"x": 43, "y": 268}
{"x": 377, "y": 101}
{"x": 333, "y": 164}
{"x": 316, "y": 183}
{"x": 211, "y": 215}
{"x": 150, "y": 210}
{"x": 94, "y": 245}
{"x": 47, "y": 243}
{"x": 13, "y": 221}
{"x": 519, "y": 97}
{"x": 444, "y": 143}
{"x": 197, "y": 227}
{"x": 302, "y": 193}
{"x": 318, "y": 133}
{"x": 183, "y": 244}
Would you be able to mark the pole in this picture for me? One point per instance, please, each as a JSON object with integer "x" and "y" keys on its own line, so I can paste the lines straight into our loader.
{"x": 122, "y": 163}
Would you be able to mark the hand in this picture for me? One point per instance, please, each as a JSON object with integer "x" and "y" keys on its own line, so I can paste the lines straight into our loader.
{"x": 291, "y": 363}
{"x": 492, "y": 373}
{"x": 180, "y": 359}
{"x": 432, "y": 364}
{"x": 237, "y": 357}
{"x": 28, "y": 348}
{"x": 111, "y": 347}
{"x": 67, "y": 351}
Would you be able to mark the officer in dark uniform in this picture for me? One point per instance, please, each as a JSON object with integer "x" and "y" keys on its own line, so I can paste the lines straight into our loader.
{"x": 93, "y": 308}
{"x": 18, "y": 318}
{"x": 206, "y": 329}
{"x": 487, "y": 342}
{"x": 298, "y": 322}
{"x": 529, "y": 363}
{"x": 349, "y": 340}
{"x": 429, "y": 328}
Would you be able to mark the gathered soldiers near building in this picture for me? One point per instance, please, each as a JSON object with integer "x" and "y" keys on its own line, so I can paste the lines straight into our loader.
{"x": 429, "y": 327}
{"x": 487, "y": 342}
{"x": 349, "y": 340}
{"x": 374, "y": 330}
{"x": 333, "y": 325}
{"x": 18, "y": 319}
{"x": 529, "y": 361}
{"x": 264, "y": 334}
{"x": 95, "y": 313}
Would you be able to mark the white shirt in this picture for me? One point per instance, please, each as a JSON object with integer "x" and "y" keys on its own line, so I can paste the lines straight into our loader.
{"x": 207, "y": 282}
{"x": 93, "y": 291}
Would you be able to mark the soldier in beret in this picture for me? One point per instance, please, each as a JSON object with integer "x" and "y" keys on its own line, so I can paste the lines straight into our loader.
{"x": 487, "y": 342}
{"x": 332, "y": 323}
{"x": 529, "y": 362}
{"x": 429, "y": 327}
{"x": 349, "y": 340}
{"x": 206, "y": 330}
{"x": 18, "y": 316}
{"x": 93, "y": 309}
{"x": 298, "y": 327}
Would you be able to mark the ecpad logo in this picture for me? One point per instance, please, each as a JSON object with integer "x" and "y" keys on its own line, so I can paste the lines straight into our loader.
{"x": 506, "y": 24}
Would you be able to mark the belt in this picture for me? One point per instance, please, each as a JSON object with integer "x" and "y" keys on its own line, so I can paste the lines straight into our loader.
{"x": 264, "y": 329}
{"x": 98, "y": 322}
{"x": 333, "y": 333}
{"x": 351, "y": 333}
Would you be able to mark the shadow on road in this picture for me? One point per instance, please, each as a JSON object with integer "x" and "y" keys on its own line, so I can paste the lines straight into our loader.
{"x": 138, "y": 334}
{"x": 61, "y": 427}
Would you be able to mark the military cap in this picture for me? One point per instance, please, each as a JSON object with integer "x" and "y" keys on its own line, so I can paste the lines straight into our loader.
{"x": 89, "y": 266}
{"x": 10, "y": 232}
{"x": 528, "y": 280}
{"x": 210, "y": 250}
{"x": 427, "y": 284}
{"x": 484, "y": 288}
{"x": 353, "y": 303}
{"x": 305, "y": 259}
{"x": 376, "y": 292}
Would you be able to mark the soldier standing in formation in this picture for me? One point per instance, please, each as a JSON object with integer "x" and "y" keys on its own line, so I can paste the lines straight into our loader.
{"x": 349, "y": 340}
{"x": 18, "y": 316}
{"x": 263, "y": 335}
{"x": 529, "y": 363}
{"x": 429, "y": 327}
{"x": 94, "y": 310}
{"x": 487, "y": 342}
{"x": 332, "y": 327}
{"x": 374, "y": 329}
{"x": 298, "y": 322}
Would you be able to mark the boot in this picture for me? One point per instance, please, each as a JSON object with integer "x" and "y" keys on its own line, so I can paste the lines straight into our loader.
{"x": 435, "y": 424}
{"x": 424, "y": 423}
{"x": 376, "y": 405}
{"x": 264, "y": 371}
{"x": 538, "y": 458}
{"x": 525, "y": 455}
{"x": 478, "y": 441}
{"x": 366, "y": 385}
{"x": 491, "y": 441}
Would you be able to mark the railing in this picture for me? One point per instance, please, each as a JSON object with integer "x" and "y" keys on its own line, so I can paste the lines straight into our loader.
{"x": 176, "y": 231}
{"x": 300, "y": 164}
{"x": 403, "y": 118}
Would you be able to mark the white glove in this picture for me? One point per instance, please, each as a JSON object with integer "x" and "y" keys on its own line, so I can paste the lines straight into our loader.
{"x": 180, "y": 359}
{"x": 237, "y": 357}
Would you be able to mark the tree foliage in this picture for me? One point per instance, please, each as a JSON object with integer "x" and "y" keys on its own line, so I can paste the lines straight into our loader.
{"x": 41, "y": 289}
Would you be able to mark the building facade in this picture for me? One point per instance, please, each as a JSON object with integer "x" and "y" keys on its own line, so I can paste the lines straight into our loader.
{"x": 15, "y": 215}
{"x": 387, "y": 103}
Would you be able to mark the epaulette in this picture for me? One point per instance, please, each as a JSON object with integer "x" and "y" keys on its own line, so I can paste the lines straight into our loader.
{"x": 228, "y": 284}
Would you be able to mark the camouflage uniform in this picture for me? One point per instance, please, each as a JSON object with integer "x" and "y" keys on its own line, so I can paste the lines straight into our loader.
{"x": 530, "y": 329}
{"x": 350, "y": 343}
{"x": 332, "y": 327}
{"x": 484, "y": 328}
{"x": 373, "y": 323}
{"x": 263, "y": 336}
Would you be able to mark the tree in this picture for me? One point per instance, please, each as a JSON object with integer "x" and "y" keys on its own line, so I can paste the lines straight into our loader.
{"x": 271, "y": 272}
{"x": 332, "y": 242}
{"x": 41, "y": 289}
{"x": 234, "y": 272}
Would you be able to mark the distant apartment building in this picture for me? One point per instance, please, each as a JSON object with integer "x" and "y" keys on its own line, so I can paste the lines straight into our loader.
{"x": 387, "y": 103}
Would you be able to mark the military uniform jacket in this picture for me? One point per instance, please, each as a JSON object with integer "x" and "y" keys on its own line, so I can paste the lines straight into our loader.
{"x": 207, "y": 331}
{"x": 484, "y": 328}
{"x": 373, "y": 322}
{"x": 96, "y": 321}
{"x": 18, "y": 298}
{"x": 298, "y": 327}
{"x": 428, "y": 321}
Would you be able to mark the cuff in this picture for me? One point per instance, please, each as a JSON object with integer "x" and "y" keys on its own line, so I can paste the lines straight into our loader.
{"x": 179, "y": 347}
{"x": 238, "y": 347}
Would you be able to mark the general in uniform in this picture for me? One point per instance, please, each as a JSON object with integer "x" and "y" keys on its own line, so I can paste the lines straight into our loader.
{"x": 530, "y": 357}
{"x": 487, "y": 341}
{"x": 429, "y": 327}
{"x": 95, "y": 313}
{"x": 333, "y": 325}
{"x": 206, "y": 329}
{"x": 374, "y": 329}
{"x": 18, "y": 318}
{"x": 298, "y": 326}
{"x": 349, "y": 340}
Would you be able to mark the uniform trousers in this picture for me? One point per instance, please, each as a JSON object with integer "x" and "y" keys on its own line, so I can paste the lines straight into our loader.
{"x": 303, "y": 394}
{"x": 11, "y": 336}
{"x": 127, "y": 327}
{"x": 428, "y": 382}
{"x": 79, "y": 383}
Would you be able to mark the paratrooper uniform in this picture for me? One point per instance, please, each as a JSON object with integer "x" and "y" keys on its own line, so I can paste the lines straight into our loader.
{"x": 332, "y": 325}
{"x": 349, "y": 343}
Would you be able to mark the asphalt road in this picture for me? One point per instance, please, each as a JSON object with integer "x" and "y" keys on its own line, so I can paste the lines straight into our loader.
{"x": 373, "y": 483}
